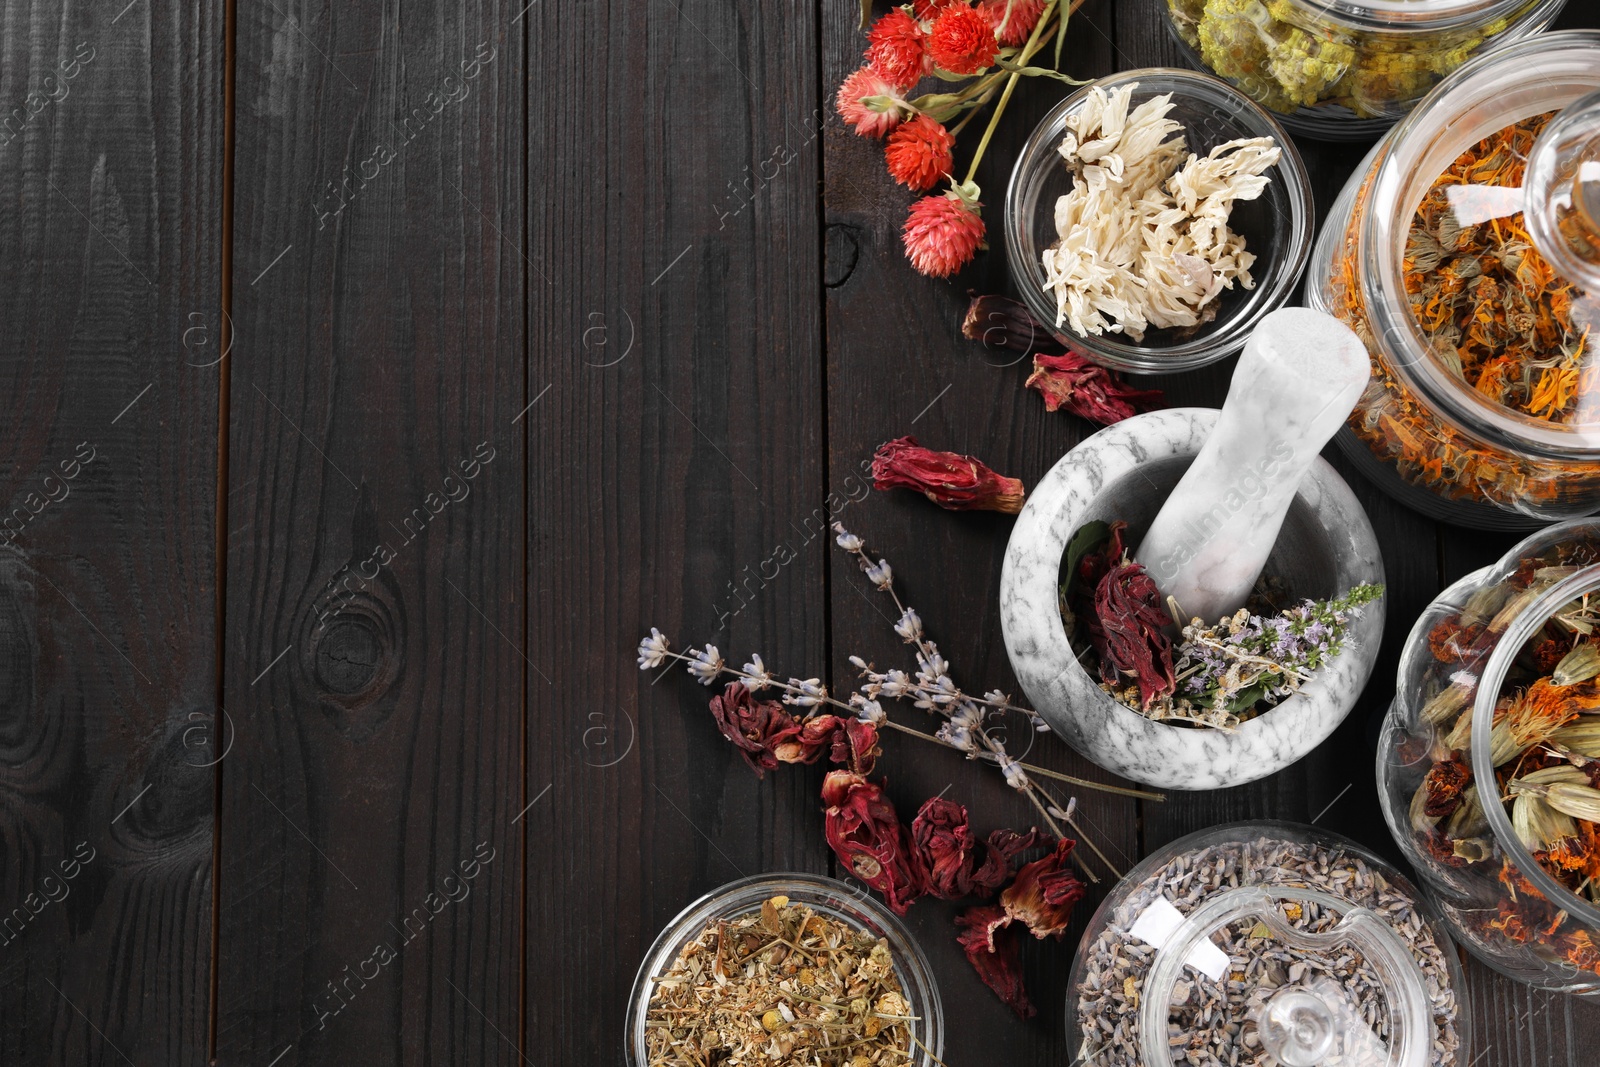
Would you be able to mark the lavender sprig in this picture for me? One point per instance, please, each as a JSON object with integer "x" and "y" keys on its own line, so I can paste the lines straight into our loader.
{"x": 932, "y": 689}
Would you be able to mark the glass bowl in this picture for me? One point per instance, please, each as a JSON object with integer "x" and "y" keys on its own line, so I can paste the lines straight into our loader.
{"x": 827, "y": 896}
{"x": 1277, "y": 226}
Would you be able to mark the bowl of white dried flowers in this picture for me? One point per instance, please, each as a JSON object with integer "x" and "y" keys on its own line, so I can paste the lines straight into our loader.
{"x": 1209, "y": 703}
{"x": 1153, "y": 218}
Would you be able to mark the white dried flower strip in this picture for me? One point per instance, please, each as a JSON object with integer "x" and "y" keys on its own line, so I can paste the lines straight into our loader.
{"x": 1144, "y": 237}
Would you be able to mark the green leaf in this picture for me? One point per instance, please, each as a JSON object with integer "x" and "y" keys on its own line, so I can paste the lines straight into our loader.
{"x": 866, "y": 13}
{"x": 1090, "y": 535}
{"x": 946, "y": 76}
{"x": 1247, "y": 698}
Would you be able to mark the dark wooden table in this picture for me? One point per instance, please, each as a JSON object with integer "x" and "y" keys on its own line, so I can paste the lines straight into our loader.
{"x": 409, "y": 361}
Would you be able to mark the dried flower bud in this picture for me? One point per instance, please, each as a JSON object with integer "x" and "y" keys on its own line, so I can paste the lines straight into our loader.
{"x": 653, "y": 650}
{"x": 862, "y": 829}
{"x": 1071, "y": 381}
{"x": 1578, "y": 665}
{"x": 950, "y": 480}
{"x": 1579, "y": 801}
{"x": 706, "y": 664}
{"x": 1000, "y": 322}
{"x": 1044, "y": 892}
{"x": 847, "y": 540}
{"x": 756, "y": 727}
{"x": 1133, "y": 640}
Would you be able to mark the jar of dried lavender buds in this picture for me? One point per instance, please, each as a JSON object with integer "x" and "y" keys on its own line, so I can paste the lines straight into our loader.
{"x": 1489, "y": 766}
{"x": 1466, "y": 253}
{"x": 1346, "y": 69}
{"x": 1265, "y": 944}
{"x": 785, "y": 969}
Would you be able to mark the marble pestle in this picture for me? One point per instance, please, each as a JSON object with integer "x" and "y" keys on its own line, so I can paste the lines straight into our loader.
{"x": 1297, "y": 379}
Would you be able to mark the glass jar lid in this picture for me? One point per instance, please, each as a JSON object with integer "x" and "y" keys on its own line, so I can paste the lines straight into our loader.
{"x": 1429, "y": 16}
{"x": 1484, "y": 237}
{"x": 1302, "y": 1015}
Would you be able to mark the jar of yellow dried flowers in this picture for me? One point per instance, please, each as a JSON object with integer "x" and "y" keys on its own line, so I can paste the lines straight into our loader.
{"x": 1466, "y": 253}
{"x": 785, "y": 969}
{"x": 1489, "y": 764}
{"x": 1346, "y": 69}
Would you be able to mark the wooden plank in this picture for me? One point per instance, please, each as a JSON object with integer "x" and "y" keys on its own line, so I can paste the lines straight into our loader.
{"x": 676, "y": 461}
{"x": 370, "y": 882}
{"x": 897, "y": 365}
{"x": 110, "y": 160}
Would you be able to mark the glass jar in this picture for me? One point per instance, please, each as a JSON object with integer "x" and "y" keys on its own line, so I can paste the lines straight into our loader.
{"x": 1265, "y": 942}
{"x": 833, "y": 899}
{"x": 1446, "y": 787}
{"x": 1277, "y": 226}
{"x": 1459, "y": 252}
{"x": 1345, "y": 69}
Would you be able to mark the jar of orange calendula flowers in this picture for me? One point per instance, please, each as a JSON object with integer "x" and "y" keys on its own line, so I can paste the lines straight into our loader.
{"x": 1489, "y": 762}
{"x": 1466, "y": 253}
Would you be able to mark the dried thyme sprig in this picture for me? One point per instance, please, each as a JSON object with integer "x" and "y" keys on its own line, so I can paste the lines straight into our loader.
{"x": 1225, "y": 670}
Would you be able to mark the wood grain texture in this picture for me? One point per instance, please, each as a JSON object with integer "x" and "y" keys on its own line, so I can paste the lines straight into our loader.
{"x": 897, "y": 364}
{"x": 678, "y": 464}
{"x": 110, "y": 148}
{"x": 370, "y": 881}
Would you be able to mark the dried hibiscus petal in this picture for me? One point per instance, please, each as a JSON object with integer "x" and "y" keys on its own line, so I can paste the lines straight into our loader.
{"x": 1133, "y": 640}
{"x": 855, "y": 746}
{"x": 946, "y": 847}
{"x": 863, "y": 830}
{"x": 1071, "y": 381}
{"x": 949, "y": 479}
{"x": 756, "y": 727}
{"x": 993, "y": 950}
{"x": 1044, "y": 892}
{"x": 1000, "y": 322}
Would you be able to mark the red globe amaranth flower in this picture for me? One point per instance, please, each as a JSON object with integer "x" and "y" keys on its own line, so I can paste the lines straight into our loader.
{"x": 1016, "y": 28}
{"x": 927, "y": 10}
{"x": 1133, "y": 624}
{"x": 895, "y": 49}
{"x": 961, "y": 40}
{"x": 942, "y": 234}
{"x": 756, "y": 727}
{"x": 865, "y": 84}
{"x": 992, "y": 949}
{"x": 919, "y": 154}
{"x": 949, "y": 479}
{"x": 1044, "y": 892}
{"x": 863, "y": 830}
{"x": 1087, "y": 389}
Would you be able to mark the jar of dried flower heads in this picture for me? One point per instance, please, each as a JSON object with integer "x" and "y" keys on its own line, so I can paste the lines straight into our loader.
{"x": 1466, "y": 253}
{"x": 1346, "y": 69}
{"x": 1490, "y": 758}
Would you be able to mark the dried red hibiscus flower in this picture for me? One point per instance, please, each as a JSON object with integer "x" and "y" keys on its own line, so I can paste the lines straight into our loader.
{"x": 993, "y": 950}
{"x": 1070, "y": 381}
{"x": 756, "y": 727}
{"x": 863, "y": 830}
{"x": 1044, "y": 892}
{"x": 956, "y": 863}
{"x": 1127, "y": 606}
{"x": 950, "y": 480}
{"x": 767, "y": 735}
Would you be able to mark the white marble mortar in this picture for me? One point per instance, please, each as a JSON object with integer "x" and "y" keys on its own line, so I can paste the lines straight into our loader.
{"x": 1125, "y": 472}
